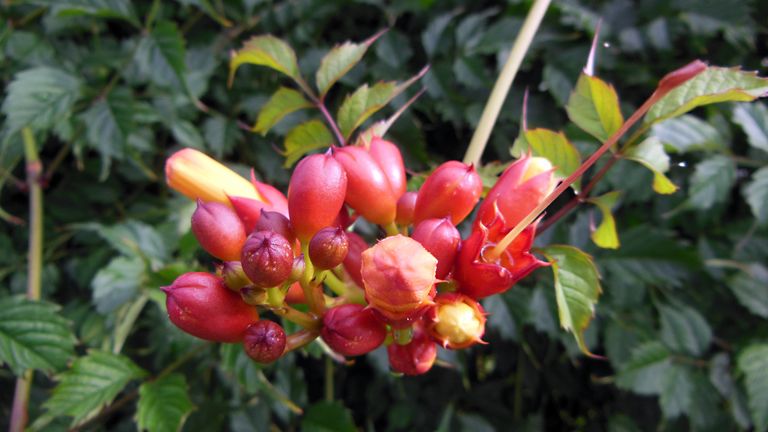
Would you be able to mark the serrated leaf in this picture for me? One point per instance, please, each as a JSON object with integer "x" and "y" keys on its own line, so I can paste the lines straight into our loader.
{"x": 594, "y": 107}
{"x": 644, "y": 372}
{"x": 553, "y": 146}
{"x": 92, "y": 382}
{"x": 187, "y": 134}
{"x": 338, "y": 61}
{"x": 306, "y": 137}
{"x": 221, "y": 135}
{"x": 168, "y": 46}
{"x": 40, "y": 98}
{"x": 117, "y": 283}
{"x": 283, "y": 102}
{"x": 577, "y": 288}
{"x": 688, "y": 133}
{"x": 684, "y": 329}
{"x": 108, "y": 123}
{"x": 715, "y": 84}
{"x": 33, "y": 335}
{"x": 753, "y": 363}
{"x": 122, "y": 9}
{"x": 132, "y": 238}
{"x": 327, "y": 417}
{"x": 650, "y": 153}
{"x": 751, "y": 288}
{"x": 756, "y": 194}
{"x": 605, "y": 235}
{"x": 268, "y": 51}
{"x": 163, "y": 404}
{"x": 676, "y": 391}
{"x": 753, "y": 119}
{"x": 711, "y": 182}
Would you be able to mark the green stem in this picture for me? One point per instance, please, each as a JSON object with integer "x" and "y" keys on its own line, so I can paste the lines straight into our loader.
{"x": 277, "y": 394}
{"x": 19, "y": 414}
{"x": 391, "y": 229}
{"x": 312, "y": 291}
{"x": 504, "y": 82}
{"x": 402, "y": 336}
{"x": 299, "y": 339}
{"x": 335, "y": 284}
{"x": 296, "y": 316}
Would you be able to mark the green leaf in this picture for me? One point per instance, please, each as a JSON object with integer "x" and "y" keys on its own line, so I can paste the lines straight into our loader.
{"x": 132, "y": 238}
{"x": 577, "y": 288}
{"x": 187, "y": 134}
{"x": 92, "y": 382}
{"x": 283, "y": 102}
{"x": 715, "y": 84}
{"x": 605, "y": 235}
{"x": 753, "y": 363}
{"x": 108, "y": 123}
{"x": 756, "y": 194}
{"x": 650, "y": 153}
{"x": 117, "y": 283}
{"x": 163, "y": 404}
{"x": 553, "y": 146}
{"x": 365, "y": 101}
{"x": 751, "y": 288}
{"x": 676, "y": 391}
{"x": 684, "y": 329}
{"x": 711, "y": 182}
{"x": 221, "y": 135}
{"x": 594, "y": 107}
{"x": 121, "y": 9}
{"x": 266, "y": 51}
{"x": 338, "y": 61}
{"x": 688, "y": 133}
{"x": 753, "y": 119}
{"x": 33, "y": 335}
{"x": 645, "y": 371}
{"x": 167, "y": 46}
{"x": 306, "y": 137}
{"x": 40, "y": 98}
{"x": 327, "y": 417}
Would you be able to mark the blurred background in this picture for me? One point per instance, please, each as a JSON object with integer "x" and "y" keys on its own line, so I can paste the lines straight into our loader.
{"x": 110, "y": 88}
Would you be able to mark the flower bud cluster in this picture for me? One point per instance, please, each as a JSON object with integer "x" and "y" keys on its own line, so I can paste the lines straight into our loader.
{"x": 414, "y": 290}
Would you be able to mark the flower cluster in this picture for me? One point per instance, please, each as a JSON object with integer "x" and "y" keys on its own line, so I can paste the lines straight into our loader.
{"x": 297, "y": 257}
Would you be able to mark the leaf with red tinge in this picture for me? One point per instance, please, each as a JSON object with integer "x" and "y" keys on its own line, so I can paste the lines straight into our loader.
{"x": 266, "y": 51}
{"x": 340, "y": 60}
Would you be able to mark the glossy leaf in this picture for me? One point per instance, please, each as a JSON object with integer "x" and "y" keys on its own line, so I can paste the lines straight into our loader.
{"x": 108, "y": 122}
{"x": 750, "y": 287}
{"x": 688, "y": 133}
{"x": 92, "y": 382}
{"x": 577, "y": 288}
{"x": 266, "y": 51}
{"x": 711, "y": 182}
{"x": 676, "y": 391}
{"x": 645, "y": 371}
{"x": 605, "y": 235}
{"x": 650, "y": 153}
{"x": 326, "y": 417}
{"x": 169, "y": 43}
{"x": 117, "y": 283}
{"x": 40, "y": 98}
{"x": 553, "y": 146}
{"x": 338, "y": 61}
{"x": 756, "y": 194}
{"x": 684, "y": 329}
{"x": 306, "y": 137}
{"x": 163, "y": 404}
{"x": 714, "y": 85}
{"x": 33, "y": 335}
{"x": 753, "y": 119}
{"x": 283, "y": 102}
{"x": 753, "y": 363}
{"x": 594, "y": 107}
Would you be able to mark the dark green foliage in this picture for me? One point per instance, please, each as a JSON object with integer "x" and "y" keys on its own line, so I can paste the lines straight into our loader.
{"x": 112, "y": 87}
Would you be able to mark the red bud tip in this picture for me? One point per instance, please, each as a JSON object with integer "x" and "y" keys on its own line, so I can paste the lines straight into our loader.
{"x": 352, "y": 330}
{"x": 264, "y": 341}
{"x": 414, "y": 358}
{"x": 406, "y": 205}
{"x": 315, "y": 194}
{"x": 267, "y": 259}
{"x": 452, "y": 190}
{"x": 369, "y": 192}
{"x": 440, "y": 238}
{"x": 353, "y": 260}
{"x": 678, "y": 77}
{"x": 328, "y": 248}
{"x": 219, "y": 230}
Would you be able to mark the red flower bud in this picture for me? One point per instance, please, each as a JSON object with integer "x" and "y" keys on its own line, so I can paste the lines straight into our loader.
{"x": 248, "y": 210}
{"x": 328, "y": 248}
{"x": 440, "y": 238}
{"x": 414, "y": 358}
{"x": 267, "y": 259}
{"x": 201, "y": 305}
{"x": 389, "y": 158}
{"x": 316, "y": 194}
{"x": 274, "y": 221}
{"x": 219, "y": 230}
{"x": 233, "y": 275}
{"x": 399, "y": 278}
{"x": 521, "y": 188}
{"x": 352, "y": 330}
{"x": 354, "y": 259}
{"x": 480, "y": 278}
{"x": 295, "y": 294}
{"x": 276, "y": 199}
{"x": 368, "y": 190}
{"x": 264, "y": 341}
{"x": 451, "y": 190}
{"x": 405, "y": 208}
{"x": 456, "y": 321}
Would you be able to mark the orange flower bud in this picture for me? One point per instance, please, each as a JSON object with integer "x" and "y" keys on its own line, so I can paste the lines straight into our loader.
{"x": 316, "y": 194}
{"x": 456, "y": 321}
{"x": 198, "y": 176}
{"x": 399, "y": 277}
{"x": 218, "y": 230}
{"x": 452, "y": 190}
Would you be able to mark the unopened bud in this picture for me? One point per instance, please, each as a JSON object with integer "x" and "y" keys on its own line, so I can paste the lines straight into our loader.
{"x": 264, "y": 341}
{"x": 354, "y": 259}
{"x": 219, "y": 230}
{"x": 233, "y": 275}
{"x": 452, "y": 190}
{"x": 440, "y": 238}
{"x": 405, "y": 208}
{"x": 315, "y": 194}
{"x": 253, "y": 296}
{"x": 328, "y": 248}
{"x": 274, "y": 221}
{"x": 352, "y": 330}
{"x": 267, "y": 259}
{"x": 415, "y": 357}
